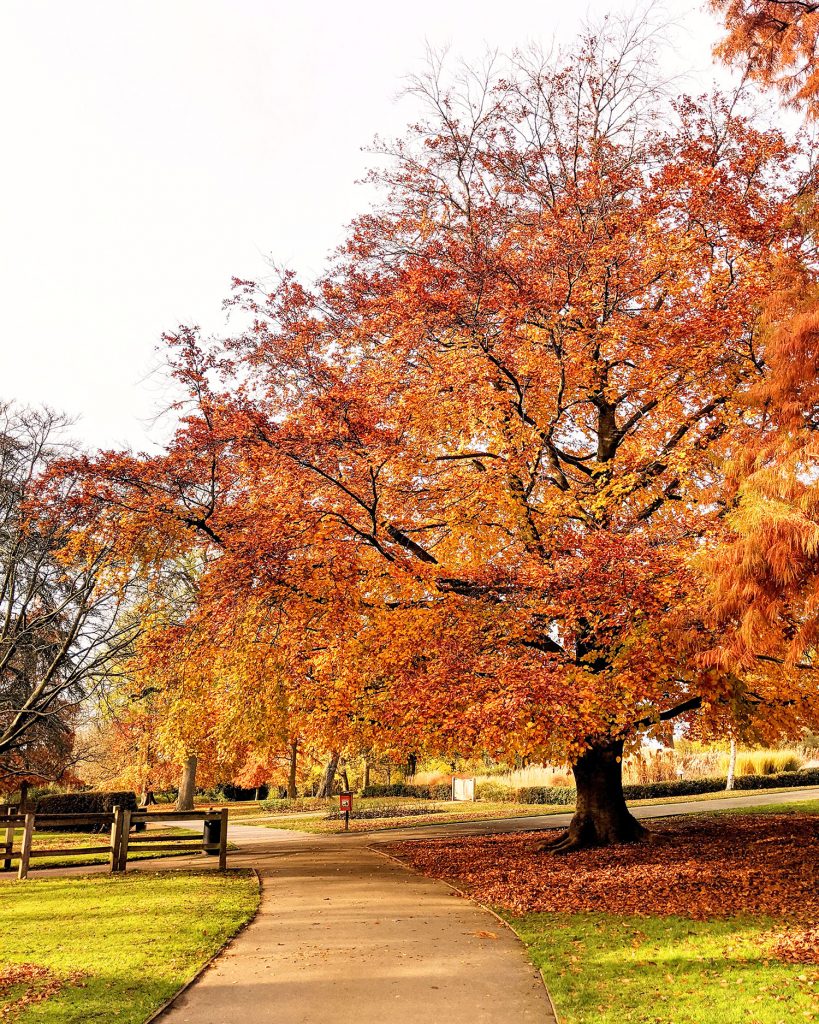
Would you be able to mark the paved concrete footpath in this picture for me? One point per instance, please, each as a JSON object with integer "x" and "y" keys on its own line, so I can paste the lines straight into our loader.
{"x": 346, "y": 935}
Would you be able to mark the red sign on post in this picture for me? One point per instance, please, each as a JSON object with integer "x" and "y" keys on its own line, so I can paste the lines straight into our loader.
{"x": 345, "y": 803}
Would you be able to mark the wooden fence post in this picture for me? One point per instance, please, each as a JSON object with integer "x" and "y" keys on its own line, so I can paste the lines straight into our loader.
{"x": 223, "y": 840}
{"x": 116, "y": 838}
{"x": 123, "y": 843}
{"x": 8, "y": 845}
{"x": 25, "y": 850}
{"x": 205, "y": 831}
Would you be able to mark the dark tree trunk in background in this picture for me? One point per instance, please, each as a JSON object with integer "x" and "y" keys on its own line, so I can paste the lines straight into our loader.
{"x": 187, "y": 785}
{"x": 345, "y": 779}
{"x": 366, "y": 773}
{"x": 292, "y": 792}
{"x": 601, "y": 816}
{"x": 326, "y": 787}
{"x": 412, "y": 765}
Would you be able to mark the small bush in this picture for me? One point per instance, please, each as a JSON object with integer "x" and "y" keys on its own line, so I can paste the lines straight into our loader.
{"x": 84, "y": 803}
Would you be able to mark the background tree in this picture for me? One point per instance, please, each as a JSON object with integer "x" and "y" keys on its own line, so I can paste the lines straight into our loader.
{"x": 61, "y": 629}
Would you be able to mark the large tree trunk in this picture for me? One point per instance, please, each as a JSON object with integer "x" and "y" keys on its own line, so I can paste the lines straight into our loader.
{"x": 292, "y": 792}
{"x": 187, "y": 785}
{"x": 326, "y": 787}
{"x": 601, "y": 816}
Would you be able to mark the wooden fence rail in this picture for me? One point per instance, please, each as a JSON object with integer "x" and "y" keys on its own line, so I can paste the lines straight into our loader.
{"x": 119, "y": 823}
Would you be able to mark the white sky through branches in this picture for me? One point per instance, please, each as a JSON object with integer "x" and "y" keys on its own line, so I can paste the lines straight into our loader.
{"x": 152, "y": 149}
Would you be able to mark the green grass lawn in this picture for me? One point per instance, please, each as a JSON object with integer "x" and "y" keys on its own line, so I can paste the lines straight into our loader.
{"x": 66, "y": 840}
{"x": 136, "y": 939}
{"x": 446, "y": 811}
{"x": 610, "y": 969}
{"x": 797, "y": 807}
{"x": 613, "y": 969}
{"x": 449, "y": 811}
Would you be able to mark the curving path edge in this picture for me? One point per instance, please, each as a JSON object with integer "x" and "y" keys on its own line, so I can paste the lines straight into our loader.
{"x": 347, "y": 935}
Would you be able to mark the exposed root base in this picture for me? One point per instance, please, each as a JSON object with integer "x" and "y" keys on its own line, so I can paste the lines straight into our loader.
{"x": 585, "y": 836}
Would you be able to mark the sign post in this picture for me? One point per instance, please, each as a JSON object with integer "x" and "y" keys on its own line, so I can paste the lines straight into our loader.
{"x": 345, "y": 803}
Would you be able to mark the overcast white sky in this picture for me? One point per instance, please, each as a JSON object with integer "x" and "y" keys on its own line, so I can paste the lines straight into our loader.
{"x": 152, "y": 149}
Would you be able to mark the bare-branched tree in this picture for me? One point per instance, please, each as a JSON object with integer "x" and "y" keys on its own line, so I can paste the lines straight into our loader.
{"x": 62, "y": 626}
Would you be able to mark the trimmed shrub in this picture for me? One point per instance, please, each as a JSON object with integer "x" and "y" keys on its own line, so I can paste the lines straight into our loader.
{"x": 546, "y": 795}
{"x": 84, "y": 803}
{"x": 496, "y": 792}
{"x": 398, "y": 789}
{"x": 440, "y": 791}
{"x": 433, "y": 791}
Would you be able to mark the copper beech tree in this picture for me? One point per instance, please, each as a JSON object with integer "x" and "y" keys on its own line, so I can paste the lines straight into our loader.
{"x": 465, "y": 492}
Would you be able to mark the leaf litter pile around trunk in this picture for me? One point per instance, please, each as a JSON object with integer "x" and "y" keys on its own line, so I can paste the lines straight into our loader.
{"x": 703, "y": 867}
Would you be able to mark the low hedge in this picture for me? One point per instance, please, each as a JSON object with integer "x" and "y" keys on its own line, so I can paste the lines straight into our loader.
{"x": 808, "y": 777}
{"x": 84, "y": 803}
{"x": 438, "y": 791}
{"x": 369, "y": 813}
{"x": 565, "y": 795}
{"x": 679, "y": 787}
{"x": 297, "y": 806}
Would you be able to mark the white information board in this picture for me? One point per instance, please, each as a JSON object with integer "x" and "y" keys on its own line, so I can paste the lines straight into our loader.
{"x": 463, "y": 789}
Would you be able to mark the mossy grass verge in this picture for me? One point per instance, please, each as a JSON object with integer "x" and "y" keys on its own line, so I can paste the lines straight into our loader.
{"x": 131, "y": 941}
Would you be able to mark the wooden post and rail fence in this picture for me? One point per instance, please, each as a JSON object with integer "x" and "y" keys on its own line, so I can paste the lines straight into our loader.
{"x": 118, "y": 823}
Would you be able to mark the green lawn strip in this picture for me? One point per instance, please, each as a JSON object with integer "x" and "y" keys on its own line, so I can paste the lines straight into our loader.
{"x": 472, "y": 812}
{"x": 138, "y": 938}
{"x": 797, "y": 807}
{"x": 722, "y": 794}
{"x": 65, "y": 840}
{"x": 478, "y": 811}
{"x": 610, "y": 969}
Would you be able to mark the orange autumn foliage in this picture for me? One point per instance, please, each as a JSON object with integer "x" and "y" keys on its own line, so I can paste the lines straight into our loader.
{"x": 776, "y": 40}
